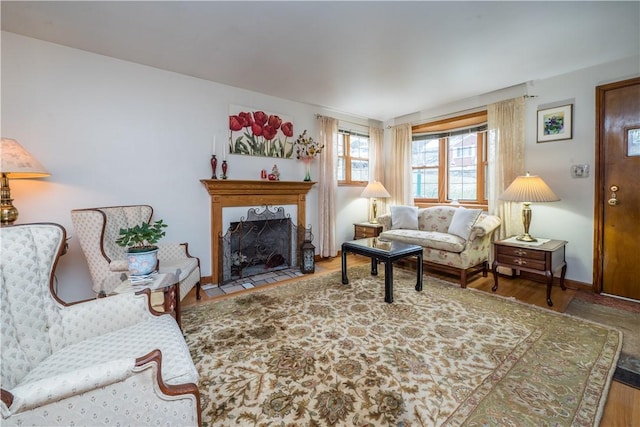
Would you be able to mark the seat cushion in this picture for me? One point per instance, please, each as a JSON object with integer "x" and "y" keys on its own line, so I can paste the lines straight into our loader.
{"x": 185, "y": 265}
{"x": 426, "y": 239}
{"x": 161, "y": 332}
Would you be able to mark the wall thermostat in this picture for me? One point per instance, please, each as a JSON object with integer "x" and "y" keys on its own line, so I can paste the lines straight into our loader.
{"x": 579, "y": 171}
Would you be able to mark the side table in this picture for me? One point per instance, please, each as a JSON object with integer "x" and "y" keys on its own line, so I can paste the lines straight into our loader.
{"x": 165, "y": 282}
{"x": 366, "y": 229}
{"x": 541, "y": 258}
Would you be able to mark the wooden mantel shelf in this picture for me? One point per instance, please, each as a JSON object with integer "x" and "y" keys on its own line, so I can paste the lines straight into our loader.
{"x": 233, "y": 193}
{"x": 233, "y": 186}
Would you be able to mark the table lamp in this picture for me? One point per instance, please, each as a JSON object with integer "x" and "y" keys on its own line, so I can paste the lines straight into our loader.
{"x": 16, "y": 163}
{"x": 374, "y": 190}
{"x": 527, "y": 189}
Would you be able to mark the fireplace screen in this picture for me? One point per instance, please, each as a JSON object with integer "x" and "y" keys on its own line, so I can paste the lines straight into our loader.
{"x": 268, "y": 240}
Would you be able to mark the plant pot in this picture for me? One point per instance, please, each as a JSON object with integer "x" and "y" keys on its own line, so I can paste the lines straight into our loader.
{"x": 142, "y": 263}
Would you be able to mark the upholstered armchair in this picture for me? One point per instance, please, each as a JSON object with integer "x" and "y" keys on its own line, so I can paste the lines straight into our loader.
{"x": 107, "y": 361}
{"x": 97, "y": 230}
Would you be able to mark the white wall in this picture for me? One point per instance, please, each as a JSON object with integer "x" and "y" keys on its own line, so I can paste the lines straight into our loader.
{"x": 112, "y": 132}
{"x": 570, "y": 219}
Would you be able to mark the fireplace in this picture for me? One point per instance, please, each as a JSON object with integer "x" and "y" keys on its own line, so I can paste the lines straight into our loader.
{"x": 237, "y": 193}
{"x": 267, "y": 240}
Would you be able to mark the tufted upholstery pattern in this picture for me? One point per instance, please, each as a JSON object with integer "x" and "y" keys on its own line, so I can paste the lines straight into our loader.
{"x": 442, "y": 250}
{"x": 90, "y": 363}
{"x": 97, "y": 230}
{"x": 28, "y": 258}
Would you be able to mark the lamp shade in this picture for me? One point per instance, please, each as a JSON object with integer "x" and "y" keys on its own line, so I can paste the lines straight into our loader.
{"x": 18, "y": 162}
{"x": 375, "y": 190}
{"x": 529, "y": 188}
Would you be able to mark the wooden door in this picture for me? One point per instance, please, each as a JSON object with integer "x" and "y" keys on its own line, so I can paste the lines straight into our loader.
{"x": 617, "y": 241}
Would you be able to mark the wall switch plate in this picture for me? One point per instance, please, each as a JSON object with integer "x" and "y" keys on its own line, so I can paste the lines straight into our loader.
{"x": 580, "y": 171}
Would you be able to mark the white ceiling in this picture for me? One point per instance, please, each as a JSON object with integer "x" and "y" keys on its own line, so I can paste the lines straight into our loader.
{"x": 377, "y": 60}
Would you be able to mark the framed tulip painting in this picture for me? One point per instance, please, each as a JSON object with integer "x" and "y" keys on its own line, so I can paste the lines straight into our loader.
{"x": 254, "y": 132}
{"x": 555, "y": 124}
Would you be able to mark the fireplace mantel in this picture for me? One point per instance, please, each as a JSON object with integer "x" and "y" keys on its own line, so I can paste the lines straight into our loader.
{"x": 233, "y": 193}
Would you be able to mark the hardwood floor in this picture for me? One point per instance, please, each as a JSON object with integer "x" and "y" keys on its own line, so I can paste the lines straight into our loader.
{"x": 622, "y": 408}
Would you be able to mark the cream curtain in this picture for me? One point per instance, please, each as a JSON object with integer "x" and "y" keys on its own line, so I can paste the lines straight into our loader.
{"x": 376, "y": 165}
{"x": 505, "y": 124}
{"x": 328, "y": 186}
{"x": 398, "y": 182}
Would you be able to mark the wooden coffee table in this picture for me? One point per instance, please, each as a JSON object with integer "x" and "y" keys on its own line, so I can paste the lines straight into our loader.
{"x": 385, "y": 251}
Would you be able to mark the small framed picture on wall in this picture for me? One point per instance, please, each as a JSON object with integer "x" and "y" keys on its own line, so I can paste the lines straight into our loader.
{"x": 555, "y": 124}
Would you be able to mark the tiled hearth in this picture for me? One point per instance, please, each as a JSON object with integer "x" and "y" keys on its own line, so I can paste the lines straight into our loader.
{"x": 252, "y": 282}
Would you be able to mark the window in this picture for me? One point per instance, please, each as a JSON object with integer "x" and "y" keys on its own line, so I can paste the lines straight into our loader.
{"x": 448, "y": 160}
{"x": 353, "y": 158}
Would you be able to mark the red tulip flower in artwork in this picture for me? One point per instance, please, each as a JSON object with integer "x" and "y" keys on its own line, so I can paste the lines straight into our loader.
{"x": 235, "y": 123}
{"x": 269, "y": 132}
{"x": 260, "y": 117}
{"x": 247, "y": 118}
{"x": 274, "y": 122}
{"x": 287, "y": 129}
{"x": 259, "y": 134}
{"x": 256, "y": 129}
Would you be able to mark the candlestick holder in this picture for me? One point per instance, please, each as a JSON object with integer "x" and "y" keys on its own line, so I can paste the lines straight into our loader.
{"x": 214, "y": 166}
{"x": 225, "y": 166}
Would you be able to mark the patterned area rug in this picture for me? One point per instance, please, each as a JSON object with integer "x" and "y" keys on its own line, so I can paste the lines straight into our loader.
{"x": 319, "y": 353}
{"x": 623, "y": 315}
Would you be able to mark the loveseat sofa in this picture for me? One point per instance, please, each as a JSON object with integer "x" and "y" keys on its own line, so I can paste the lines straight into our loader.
{"x": 454, "y": 239}
{"x": 105, "y": 361}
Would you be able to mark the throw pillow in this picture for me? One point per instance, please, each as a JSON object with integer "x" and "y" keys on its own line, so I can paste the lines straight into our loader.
{"x": 462, "y": 221}
{"x": 404, "y": 217}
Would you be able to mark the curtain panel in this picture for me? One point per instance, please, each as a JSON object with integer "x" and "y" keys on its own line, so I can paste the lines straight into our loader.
{"x": 505, "y": 122}
{"x": 376, "y": 165}
{"x": 399, "y": 179}
{"x": 328, "y": 186}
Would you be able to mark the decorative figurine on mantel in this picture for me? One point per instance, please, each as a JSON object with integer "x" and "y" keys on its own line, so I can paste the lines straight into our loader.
{"x": 275, "y": 174}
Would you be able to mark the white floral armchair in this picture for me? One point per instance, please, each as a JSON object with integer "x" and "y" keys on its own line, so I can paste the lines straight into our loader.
{"x": 108, "y": 361}
{"x": 97, "y": 230}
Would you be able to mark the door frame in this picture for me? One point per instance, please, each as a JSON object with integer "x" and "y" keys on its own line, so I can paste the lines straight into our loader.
{"x": 600, "y": 190}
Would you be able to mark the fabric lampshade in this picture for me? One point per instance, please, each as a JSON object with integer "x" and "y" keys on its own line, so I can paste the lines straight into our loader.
{"x": 375, "y": 190}
{"x": 529, "y": 188}
{"x": 18, "y": 162}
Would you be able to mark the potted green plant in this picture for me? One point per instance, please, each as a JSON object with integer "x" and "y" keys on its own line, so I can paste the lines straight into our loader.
{"x": 140, "y": 241}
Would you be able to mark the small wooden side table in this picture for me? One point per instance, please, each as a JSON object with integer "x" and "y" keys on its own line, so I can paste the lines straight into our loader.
{"x": 545, "y": 258}
{"x": 366, "y": 229}
{"x": 165, "y": 282}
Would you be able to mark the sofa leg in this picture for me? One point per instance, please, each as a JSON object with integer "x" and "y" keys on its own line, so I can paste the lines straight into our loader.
{"x": 463, "y": 279}
{"x": 198, "y": 297}
{"x": 485, "y": 268}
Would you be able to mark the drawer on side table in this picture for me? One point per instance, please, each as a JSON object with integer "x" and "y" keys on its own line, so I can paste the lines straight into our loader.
{"x": 366, "y": 229}
{"x": 521, "y": 257}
